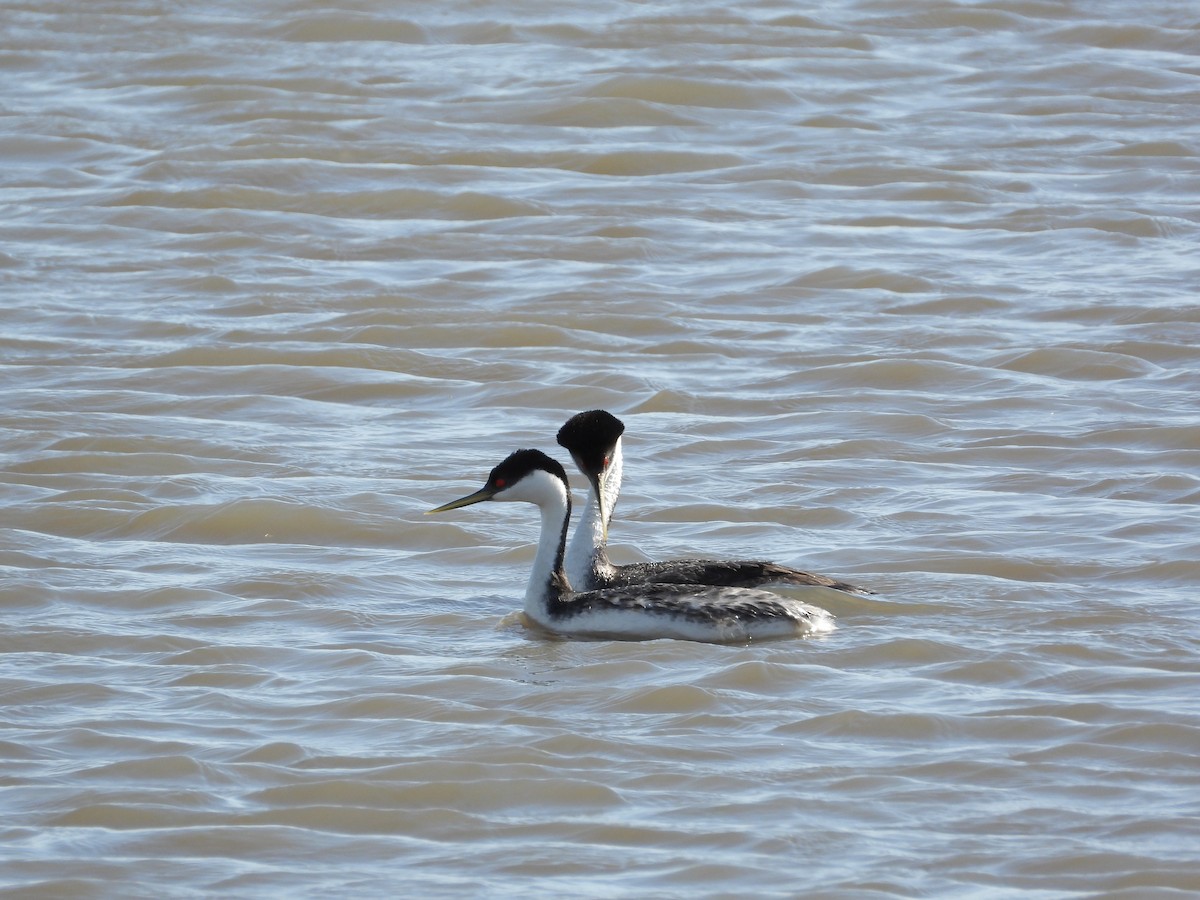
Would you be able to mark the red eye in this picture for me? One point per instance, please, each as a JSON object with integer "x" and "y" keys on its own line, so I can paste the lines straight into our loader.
{"x": 500, "y": 482}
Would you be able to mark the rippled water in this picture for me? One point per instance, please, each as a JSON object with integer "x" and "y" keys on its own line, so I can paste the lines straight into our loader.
{"x": 902, "y": 292}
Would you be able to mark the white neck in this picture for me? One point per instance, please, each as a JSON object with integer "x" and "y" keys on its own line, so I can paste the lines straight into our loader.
{"x": 549, "y": 494}
{"x": 586, "y": 552}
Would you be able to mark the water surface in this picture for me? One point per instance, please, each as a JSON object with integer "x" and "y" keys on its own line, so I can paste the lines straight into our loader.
{"x": 898, "y": 292}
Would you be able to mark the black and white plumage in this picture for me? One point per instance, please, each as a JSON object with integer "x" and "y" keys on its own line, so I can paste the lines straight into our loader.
{"x": 593, "y": 439}
{"x": 634, "y": 612}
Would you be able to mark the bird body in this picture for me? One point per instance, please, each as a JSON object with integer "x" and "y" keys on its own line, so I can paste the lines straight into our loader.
{"x": 637, "y": 611}
{"x": 593, "y": 439}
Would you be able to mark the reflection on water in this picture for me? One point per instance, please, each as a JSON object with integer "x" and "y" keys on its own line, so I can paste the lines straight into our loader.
{"x": 898, "y": 292}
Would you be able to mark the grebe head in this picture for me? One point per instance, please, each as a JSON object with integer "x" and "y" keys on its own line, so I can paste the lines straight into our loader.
{"x": 591, "y": 438}
{"x": 528, "y": 476}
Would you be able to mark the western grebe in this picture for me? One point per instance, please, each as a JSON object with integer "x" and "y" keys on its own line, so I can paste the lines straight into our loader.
{"x": 593, "y": 439}
{"x": 635, "y": 612}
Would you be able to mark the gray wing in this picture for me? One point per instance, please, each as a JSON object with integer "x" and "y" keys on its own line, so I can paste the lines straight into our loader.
{"x": 722, "y": 573}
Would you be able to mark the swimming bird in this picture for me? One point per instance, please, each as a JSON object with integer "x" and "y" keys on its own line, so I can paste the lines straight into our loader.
{"x": 593, "y": 439}
{"x": 634, "y": 612}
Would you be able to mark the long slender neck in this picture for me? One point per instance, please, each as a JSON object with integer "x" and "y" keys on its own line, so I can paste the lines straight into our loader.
{"x": 587, "y": 553}
{"x": 546, "y": 580}
{"x": 612, "y": 484}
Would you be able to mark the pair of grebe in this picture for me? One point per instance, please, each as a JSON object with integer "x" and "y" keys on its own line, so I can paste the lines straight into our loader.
{"x": 689, "y": 599}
